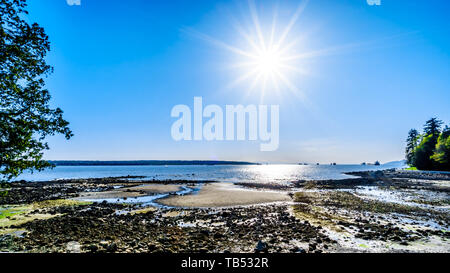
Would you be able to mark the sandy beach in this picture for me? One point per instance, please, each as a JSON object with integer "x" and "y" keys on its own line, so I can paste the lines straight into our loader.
{"x": 224, "y": 195}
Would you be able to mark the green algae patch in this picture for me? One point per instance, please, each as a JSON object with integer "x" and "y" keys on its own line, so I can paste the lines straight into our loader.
{"x": 12, "y": 216}
{"x": 317, "y": 217}
{"x": 59, "y": 203}
{"x": 9, "y": 211}
{"x": 144, "y": 210}
{"x": 15, "y": 215}
{"x": 306, "y": 209}
{"x": 5, "y": 213}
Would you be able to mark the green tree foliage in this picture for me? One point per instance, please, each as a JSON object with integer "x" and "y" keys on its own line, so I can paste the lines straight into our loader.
{"x": 441, "y": 156}
{"x": 433, "y": 149}
{"x": 25, "y": 115}
{"x": 411, "y": 144}
{"x": 432, "y": 127}
{"x": 423, "y": 153}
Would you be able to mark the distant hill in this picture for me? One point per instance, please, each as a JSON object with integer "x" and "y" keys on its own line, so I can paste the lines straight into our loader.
{"x": 145, "y": 162}
{"x": 401, "y": 163}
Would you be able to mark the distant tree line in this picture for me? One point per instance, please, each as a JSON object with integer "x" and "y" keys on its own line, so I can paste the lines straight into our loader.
{"x": 146, "y": 162}
{"x": 431, "y": 149}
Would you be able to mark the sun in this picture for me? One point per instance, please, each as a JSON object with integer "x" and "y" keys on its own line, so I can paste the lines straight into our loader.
{"x": 268, "y": 62}
{"x": 266, "y": 59}
{"x": 265, "y": 68}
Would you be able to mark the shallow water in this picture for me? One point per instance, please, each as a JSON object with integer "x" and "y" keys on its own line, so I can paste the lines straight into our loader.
{"x": 402, "y": 197}
{"x": 147, "y": 200}
{"x": 275, "y": 173}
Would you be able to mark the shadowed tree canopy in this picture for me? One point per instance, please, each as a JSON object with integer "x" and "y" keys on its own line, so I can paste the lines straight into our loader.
{"x": 423, "y": 153}
{"x": 411, "y": 144}
{"x": 26, "y": 117}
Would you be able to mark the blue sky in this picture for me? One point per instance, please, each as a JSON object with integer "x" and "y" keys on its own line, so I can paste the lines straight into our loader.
{"x": 120, "y": 67}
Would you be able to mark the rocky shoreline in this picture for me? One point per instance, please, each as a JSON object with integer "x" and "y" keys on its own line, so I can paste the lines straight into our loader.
{"x": 383, "y": 211}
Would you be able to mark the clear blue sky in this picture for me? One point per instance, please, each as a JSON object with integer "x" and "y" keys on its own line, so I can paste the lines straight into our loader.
{"x": 120, "y": 67}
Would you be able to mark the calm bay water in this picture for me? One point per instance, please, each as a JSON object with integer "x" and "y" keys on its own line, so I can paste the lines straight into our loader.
{"x": 226, "y": 173}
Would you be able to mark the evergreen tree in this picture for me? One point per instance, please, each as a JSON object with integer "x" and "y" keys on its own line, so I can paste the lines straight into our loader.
{"x": 426, "y": 148}
{"x": 432, "y": 127}
{"x": 411, "y": 144}
{"x": 441, "y": 156}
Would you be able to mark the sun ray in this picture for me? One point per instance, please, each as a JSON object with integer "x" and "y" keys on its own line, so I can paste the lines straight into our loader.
{"x": 242, "y": 78}
{"x": 255, "y": 81}
{"x": 291, "y": 87}
{"x": 274, "y": 25}
{"x": 293, "y": 20}
{"x": 255, "y": 19}
{"x": 296, "y": 69}
{"x": 319, "y": 53}
{"x": 275, "y": 83}
{"x": 263, "y": 90}
{"x": 247, "y": 37}
{"x": 339, "y": 49}
{"x": 219, "y": 43}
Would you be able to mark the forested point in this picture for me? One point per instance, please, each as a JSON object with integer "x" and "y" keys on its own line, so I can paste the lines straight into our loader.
{"x": 431, "y": 149}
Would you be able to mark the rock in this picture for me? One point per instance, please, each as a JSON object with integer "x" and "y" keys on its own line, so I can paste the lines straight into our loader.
{"x": 376, "y": 174}
{"x": 73, "y": 247}
{"x": 261, "y": 247}
{"x": 92, "y": 248}
{"x": 298, "y": 250}
{"x": 111, "y": 247}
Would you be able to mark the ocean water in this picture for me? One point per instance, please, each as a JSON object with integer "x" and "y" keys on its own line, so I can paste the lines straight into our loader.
{"x": 274, "y": 173}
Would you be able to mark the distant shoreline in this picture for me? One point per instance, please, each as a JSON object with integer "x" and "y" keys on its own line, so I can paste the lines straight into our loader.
{"x": 145, "y": 162}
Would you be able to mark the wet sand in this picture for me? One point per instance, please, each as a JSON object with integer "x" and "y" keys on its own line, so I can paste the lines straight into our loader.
{"x": 224, "y": 195}
{"x": 129, "y": 192}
